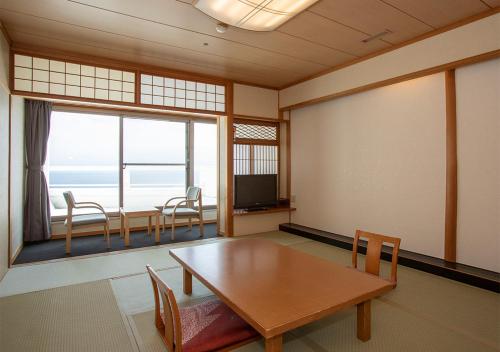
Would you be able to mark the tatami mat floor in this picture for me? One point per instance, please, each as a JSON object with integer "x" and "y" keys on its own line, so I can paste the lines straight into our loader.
{"x": 61, "y": 272}
{"x": 83, "y": 317}
{"x": 424, "y": 313}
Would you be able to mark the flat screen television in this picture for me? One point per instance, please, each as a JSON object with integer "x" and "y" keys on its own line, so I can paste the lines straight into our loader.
{"x": 255, "y": 191}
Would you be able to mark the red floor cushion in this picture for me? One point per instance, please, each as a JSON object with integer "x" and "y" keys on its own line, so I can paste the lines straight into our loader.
{"x": 212, "y": 325}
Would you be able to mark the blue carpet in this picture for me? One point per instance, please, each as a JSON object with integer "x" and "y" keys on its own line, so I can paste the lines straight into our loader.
{"x": 54, "y": 249}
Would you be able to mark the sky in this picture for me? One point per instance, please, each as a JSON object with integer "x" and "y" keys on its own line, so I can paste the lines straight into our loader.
{"x": 84, "y": 140}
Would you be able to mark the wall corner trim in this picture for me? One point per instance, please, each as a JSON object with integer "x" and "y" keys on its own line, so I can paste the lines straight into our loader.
{"x": 450, "y": 231}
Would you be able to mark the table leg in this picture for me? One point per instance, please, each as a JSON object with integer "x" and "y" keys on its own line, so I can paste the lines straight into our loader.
{"x": 121, "y": 224}
{"x": 157, "y": 229}
{"x": 188, "y": 282}
{"x": 149, "y": 225}
{"x": 274, "y": 344}
{"x": 364, "y": 320}
{"x": 127, "y": 231}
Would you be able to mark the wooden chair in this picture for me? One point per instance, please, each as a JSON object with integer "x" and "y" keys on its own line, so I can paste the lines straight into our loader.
{"x": 208, "y": 326}
{"x": 83, "y": 220}
{"x": 373, "y": 252}
{"x": 193, "y": 195}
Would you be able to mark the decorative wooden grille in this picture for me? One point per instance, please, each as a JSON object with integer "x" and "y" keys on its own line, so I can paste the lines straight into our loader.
{"x": 255, "y": 132}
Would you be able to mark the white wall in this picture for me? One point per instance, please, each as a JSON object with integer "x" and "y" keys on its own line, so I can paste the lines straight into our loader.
{"x": 374, "y": 161}
{"x": 17, "y": 173}
{"x": 256, "y": 223}
{"x": 472, "y": 39}
{"x": 255, "y": 101}
{"x": 478, "y": 140}
{"x": 4, "y": 155}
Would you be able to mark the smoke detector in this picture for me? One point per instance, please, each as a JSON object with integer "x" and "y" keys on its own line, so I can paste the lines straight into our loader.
{"x": 221, "y": 27}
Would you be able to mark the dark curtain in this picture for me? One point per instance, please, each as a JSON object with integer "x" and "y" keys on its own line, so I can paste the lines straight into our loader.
{"x": 37, "y": 207}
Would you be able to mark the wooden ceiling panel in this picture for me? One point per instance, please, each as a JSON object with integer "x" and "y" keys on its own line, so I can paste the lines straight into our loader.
{"x": 298, "y": 47}
{"x": 493, "y": 3}
{"x": 35, "y": 40}
{"x": 324, "y": 31}
{"x": 175, "y": 35}
{"x": 103, "y": 23}
{"x": 137, "y": 52}
{"x": 48, "y": 29}
{"x": 371, "y": 17}
{"x": 438, "y": 13}
{"x": 183, "y": 15}
{"x": 38, "y": 29}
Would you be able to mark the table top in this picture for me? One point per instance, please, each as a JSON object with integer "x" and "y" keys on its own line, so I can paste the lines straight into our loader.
{"x": 276, "y": 288}
{"x": 144, "y": 211}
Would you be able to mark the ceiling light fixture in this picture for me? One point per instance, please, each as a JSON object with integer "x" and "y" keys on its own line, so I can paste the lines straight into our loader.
{"x": 254, "y": 15}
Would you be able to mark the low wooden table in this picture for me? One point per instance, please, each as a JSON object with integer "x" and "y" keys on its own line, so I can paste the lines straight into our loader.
{"x": 127, "y": 213}
{"x": 275, "y": 288}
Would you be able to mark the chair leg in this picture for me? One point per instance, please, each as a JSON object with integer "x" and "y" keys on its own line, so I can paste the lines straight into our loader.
{"x": 68, "y": 240}
{"x": 202, "y": 229}
{"x": 190, "y": 224}
{"x": 122, "y": 225}
{"x": 173, "y": 227}
{"x": 107, "y": 234}
{"x": 163, "y": 230}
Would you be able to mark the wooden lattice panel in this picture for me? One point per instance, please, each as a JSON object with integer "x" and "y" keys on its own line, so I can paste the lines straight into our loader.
{"x": 180, "y": 93}
{"x": 253, "y": 159}
{"x": 56, "y": 77}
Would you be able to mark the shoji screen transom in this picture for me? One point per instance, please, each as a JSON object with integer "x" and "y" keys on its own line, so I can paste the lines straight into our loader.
{"x": 57, "y": 77}
{"x": 256, "y": 147}
{"x": 180, "y": 93}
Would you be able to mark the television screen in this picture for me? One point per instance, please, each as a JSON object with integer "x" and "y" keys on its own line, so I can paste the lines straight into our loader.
{"x": 255, "y": 191}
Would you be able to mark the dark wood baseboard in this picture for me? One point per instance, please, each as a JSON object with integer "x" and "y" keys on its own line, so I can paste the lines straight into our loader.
{"x": 486, "y": 279}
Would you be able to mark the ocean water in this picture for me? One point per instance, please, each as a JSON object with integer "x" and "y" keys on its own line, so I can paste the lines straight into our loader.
{"x": 106, "y": 178}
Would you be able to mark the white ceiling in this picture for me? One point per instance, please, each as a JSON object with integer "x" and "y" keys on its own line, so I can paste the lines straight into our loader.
{"x": 175, "y": 35}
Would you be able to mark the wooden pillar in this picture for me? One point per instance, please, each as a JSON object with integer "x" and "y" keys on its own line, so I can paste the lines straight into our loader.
{"x": 230, "y": 162}
{"x": 9, "y": 190}
{"x": 289, "y": 157}
{"x": 450, "y": 236}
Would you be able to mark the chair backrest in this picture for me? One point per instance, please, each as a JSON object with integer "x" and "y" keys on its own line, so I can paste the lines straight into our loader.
{"x": 70, "y": 200}
{"x": 193, "y": 195}
{"x": 373, "y": 252}
{"x": 170, "y": 325}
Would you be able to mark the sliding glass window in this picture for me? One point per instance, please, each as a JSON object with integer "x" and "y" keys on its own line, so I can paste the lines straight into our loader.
{"x": 138, "y": 162}
{"x": 205, "y": 161}
{"x": 83, "y": 157}
{"x": 154, "y": 161}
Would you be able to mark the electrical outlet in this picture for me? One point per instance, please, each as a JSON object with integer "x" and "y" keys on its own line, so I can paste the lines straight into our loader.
{"x": 292, "y": 199}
